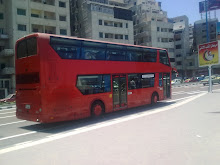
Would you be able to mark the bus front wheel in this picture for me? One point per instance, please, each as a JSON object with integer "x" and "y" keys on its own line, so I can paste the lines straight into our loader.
{"x": 154, "y": 98}
{"x": 97, "y": 109}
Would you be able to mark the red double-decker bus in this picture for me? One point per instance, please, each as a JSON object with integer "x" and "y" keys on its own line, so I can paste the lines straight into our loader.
{"x": 62, "y": 78}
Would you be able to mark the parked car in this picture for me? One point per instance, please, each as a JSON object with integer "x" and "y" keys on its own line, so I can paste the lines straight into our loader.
{"x": 206, "y": 80}
{"x": 187, "y": 80}
{"x": 176, "y": 81}
{"x": 9, "y": 98}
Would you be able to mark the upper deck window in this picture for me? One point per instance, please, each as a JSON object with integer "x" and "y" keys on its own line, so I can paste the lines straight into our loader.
{"x": 164, "y": 58}
{"x": 27, "y": 47}
{"x": 66, "y": 48}
{"x": 91, "y": 50}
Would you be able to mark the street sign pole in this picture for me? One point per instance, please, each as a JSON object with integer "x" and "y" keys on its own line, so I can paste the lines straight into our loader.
{"x": 210, "y": 79}
{"x": 207, "y": 37}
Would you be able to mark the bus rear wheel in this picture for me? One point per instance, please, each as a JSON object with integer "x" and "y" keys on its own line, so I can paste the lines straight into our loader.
{"x": 154, "y": 98}
{"x": 97, "y": 109}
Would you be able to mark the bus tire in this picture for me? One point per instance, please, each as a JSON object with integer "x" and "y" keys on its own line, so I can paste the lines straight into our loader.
{"x": 154, "y": 98}
{"x": 97, "y": 109}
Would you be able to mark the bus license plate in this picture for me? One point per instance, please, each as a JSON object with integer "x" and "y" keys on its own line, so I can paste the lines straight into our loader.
{"x": 27, "y": 106}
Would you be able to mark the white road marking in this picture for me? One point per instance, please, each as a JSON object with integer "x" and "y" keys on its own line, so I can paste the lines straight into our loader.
{"x": 96, "y": 126}
{"x": 7, "y": 113}
{"x": 9, "y": 137}
{"x": 190, "y": 93}
{"x": 9, "y": 109}
{"x": 12, "y": 123}
{"x": 7, "y": 117}
{"x": 168, "y": 101}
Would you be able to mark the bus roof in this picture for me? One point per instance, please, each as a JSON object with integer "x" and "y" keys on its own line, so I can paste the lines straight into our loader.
{"x": 85, "y": 39}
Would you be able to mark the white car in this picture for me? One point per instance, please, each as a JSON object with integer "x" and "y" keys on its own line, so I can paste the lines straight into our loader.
{"x": 176, "y": 81}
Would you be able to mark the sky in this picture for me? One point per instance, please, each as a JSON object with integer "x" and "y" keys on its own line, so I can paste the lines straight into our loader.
{"x": 190, "y": 8}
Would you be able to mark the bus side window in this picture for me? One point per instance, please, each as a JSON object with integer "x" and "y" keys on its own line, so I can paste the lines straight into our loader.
{"x": 160, "y": 79}
{"x": 164, "y": 57}
{"x": 149, "y": 55}
{"x": 93, "y": 54}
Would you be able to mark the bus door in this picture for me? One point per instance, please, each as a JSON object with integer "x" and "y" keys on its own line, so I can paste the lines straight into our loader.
{"x": 166, "y": 85}
{"x": 119, "y": 84}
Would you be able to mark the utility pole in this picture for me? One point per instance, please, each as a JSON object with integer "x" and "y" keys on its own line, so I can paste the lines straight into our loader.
{"x": 207, "y": 38}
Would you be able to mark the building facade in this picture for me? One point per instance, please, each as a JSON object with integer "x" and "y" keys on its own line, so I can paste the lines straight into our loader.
{"x": 183, "y": 59}
{"x": 107, "y": 20}
{"x": 151, "y": 26}
{"x": 22, "y": 17}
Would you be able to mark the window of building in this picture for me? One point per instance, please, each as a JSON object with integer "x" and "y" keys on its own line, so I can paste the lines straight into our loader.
{"x": 178, "y": 46}
{"x": 163, "y": 29}
{"x": 118, "y": 36}
{"x": 1, "y": 16}
{"x": 158, "y": 29}
{"x": 100, "y": 22}
{"x": 100, "y": 35}
{"x": 170, "y": 50}
{"x": 63, "y": 31}
{"x": 108, "y": 35}
{"x": 179, "y": 63}
{"x": 62, "y": 4}
{"x": 126, "y": 37}
{"x": 172, "y": 59}
{"x": 62, "y": 18}
{"x": 126, "y": 25}
{"x": 21, "y": 27}
{"x": 1, "y": 31}
{"x": 190, "y": 64}
{"x": 21, "y": 12}
{"x": 164, "y": 40}
{"x": 179, "y": 55}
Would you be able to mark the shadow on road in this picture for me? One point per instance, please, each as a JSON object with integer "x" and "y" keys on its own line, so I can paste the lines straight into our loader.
{"x": 54, "y": 128}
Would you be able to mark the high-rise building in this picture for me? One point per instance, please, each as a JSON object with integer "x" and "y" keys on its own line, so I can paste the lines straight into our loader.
{"x": 151, "y": 26}
{"x": 181, "y": 44}
{"x": 108, "y": 20}
{"x": 22, "y": 17}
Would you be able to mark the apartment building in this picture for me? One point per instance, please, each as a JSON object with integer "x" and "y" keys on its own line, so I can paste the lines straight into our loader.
{"x": 151, "y": 26}
{"x": 183, "y": 59}
{"x": 22, "y": 17}
{"x": 107, "y": 20}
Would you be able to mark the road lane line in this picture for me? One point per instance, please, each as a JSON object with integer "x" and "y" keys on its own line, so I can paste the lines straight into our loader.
{"x": 9, "y": 109}
{"x": 9, "y": 137}
{"x": 168, "y": 101}
{"x": 12, "y": 123}
{"x": 7, "y": 113}
{"x": 7, "y": 117}
{"x": 97, "y": 126}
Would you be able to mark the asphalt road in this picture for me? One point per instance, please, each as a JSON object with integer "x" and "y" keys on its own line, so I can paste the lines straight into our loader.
{"x": 143, "y": 135}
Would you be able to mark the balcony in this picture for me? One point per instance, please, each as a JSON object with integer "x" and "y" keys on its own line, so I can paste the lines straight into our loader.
{"x": 8, "y": 70}
{"x": 4, "y": 36}
{"x": 7, "y": 53}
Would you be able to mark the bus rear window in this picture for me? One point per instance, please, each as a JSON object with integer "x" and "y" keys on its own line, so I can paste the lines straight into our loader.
{"x": 31, "y": 78}
{"x": 27, "y": 47}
